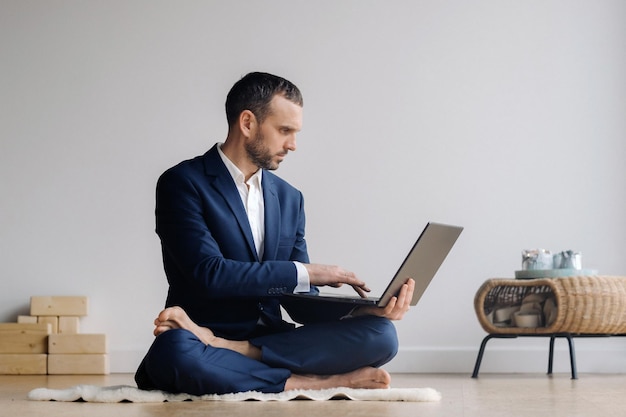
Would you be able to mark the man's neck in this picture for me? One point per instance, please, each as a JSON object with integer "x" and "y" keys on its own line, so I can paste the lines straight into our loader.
{"x": 238, "y": 156}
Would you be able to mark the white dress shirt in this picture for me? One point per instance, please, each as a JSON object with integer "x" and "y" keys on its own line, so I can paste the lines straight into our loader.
{"x": 251, "y": 193}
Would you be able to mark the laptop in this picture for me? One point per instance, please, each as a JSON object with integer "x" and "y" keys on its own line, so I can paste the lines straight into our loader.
{"x": 421, "y": 264}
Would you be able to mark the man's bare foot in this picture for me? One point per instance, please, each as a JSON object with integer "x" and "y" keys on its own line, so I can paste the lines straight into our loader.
{"x": 177, "y": 318}
{"x": 370, "y": 378}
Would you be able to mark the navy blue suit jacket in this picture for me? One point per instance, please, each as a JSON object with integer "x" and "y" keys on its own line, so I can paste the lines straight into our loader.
{"x": 209, "y": 256}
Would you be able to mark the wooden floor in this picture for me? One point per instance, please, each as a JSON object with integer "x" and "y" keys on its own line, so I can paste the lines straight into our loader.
{"x": 528, "y": 395}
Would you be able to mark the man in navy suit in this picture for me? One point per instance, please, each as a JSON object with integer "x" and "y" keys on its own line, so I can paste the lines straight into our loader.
{"x": 232, "y": 237}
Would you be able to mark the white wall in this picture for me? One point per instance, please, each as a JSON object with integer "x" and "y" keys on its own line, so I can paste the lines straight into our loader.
{"x": 506, "y": 117}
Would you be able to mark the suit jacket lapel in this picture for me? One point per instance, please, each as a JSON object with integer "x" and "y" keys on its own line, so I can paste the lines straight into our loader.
{"x": 272, "y": 217}
{"x": 224, "y": 184}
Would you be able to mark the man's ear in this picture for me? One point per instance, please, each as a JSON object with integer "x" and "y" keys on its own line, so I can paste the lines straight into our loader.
{"x": 247, "y": 122}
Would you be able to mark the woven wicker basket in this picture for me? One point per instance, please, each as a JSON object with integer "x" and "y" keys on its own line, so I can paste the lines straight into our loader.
{"x": 585, "y": 304}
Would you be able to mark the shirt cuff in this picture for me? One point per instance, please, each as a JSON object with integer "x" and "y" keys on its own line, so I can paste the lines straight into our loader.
{"x": 304, "y": 284}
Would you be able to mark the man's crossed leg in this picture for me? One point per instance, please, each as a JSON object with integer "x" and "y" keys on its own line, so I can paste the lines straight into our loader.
{"x": 189, "y": 358}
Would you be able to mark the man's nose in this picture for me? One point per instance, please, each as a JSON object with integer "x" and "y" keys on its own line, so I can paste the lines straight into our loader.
{"x": 291, "y": 143}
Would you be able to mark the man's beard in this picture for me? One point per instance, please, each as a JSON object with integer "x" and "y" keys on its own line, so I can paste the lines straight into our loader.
{"x": 259, "y": 154}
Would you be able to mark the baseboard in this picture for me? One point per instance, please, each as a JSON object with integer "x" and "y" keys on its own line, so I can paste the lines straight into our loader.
{"x": 125, "y": 361}
{"x": 501, "y": 356}
{"x": 507, "y": 356}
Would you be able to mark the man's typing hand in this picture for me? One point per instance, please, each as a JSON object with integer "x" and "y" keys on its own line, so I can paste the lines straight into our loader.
{"x": 335, "y": 276}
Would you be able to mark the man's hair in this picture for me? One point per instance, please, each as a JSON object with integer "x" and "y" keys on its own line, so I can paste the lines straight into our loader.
{"x": 255, "y": 91}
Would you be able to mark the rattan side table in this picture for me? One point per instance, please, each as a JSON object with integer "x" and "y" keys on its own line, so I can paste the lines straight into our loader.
{"x": 587, "y": 306}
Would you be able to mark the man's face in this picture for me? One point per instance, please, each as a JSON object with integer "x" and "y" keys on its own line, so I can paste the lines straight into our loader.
{"x": 276, "y": 136}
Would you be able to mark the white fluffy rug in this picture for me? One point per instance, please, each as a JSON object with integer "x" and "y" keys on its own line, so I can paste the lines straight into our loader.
{"x": 125, "y": 393}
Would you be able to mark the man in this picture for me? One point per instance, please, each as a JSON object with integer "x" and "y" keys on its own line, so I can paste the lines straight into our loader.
{"x": 232, "y": 236}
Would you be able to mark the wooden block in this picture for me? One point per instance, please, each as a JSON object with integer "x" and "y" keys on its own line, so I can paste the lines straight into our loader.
{"x": 77, "y": 364}
{"x": 77, "y": 343}
{"x": 27, "y": 319}
{"x": 24, "y": 328}
{"x": 52, "y": 320}
{"x": 24, "y": 337}
{"x": 69, "y": 325}
{"x": 23, "y": 364}
{"x": 58, "y": 306}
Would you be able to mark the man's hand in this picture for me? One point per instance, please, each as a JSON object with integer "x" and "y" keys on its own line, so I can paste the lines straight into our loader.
{"x": 334, "y": 276}
{"x": 397, "y": 306}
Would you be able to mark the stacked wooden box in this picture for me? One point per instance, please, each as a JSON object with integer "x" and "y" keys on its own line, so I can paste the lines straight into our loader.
{"x": 48, "y": 341}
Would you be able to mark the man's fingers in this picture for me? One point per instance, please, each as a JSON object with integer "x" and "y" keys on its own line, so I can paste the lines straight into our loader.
{"x": 334, "y": 276}
{"x": 360, "y": 291}
{"x": 406, "y": 293}
{"x": 402, "y": 295}
{"x": 359, "y": 286}
{"x": 391, "y": 305}
{"x": 393, "y": 309}
{"x": 399, "y": 305}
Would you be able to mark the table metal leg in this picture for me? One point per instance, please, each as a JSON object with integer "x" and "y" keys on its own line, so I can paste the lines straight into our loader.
{"x": 479, "y": 359}
{"x": 481, "y": 351}
{"x": 551, "y": 354}
{"x": 572, "y": 355}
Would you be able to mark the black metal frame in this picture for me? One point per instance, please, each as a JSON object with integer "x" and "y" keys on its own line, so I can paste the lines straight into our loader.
{"x": 570, "y": 341}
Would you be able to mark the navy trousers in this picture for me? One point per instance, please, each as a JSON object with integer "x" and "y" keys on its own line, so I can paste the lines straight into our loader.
{"x": 179, "y": 362}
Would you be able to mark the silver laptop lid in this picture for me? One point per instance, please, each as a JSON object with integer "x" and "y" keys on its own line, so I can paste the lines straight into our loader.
{"x": 423, "y": 260}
